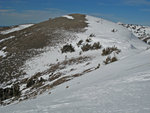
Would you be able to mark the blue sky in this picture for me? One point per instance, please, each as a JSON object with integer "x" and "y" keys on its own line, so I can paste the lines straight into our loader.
{"x": 32, "y": 11}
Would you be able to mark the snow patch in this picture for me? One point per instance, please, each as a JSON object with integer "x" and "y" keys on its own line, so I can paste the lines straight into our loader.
{"x": 69, "y": 17}
{"x": 2, "y": 53}
{"x": 20, "y": 27}
{"x": 7, "y": 38}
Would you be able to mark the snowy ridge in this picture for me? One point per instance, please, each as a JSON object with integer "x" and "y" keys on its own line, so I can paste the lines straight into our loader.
{"x": 20, "y": 27}
{"x": 102, "y": 29}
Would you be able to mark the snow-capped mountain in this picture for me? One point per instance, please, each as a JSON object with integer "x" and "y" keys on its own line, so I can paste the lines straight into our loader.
{"x": 74, "y": 63}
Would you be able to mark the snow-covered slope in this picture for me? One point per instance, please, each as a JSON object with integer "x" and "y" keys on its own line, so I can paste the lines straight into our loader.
{"x": 102, "y": 29}
{"x": 119, "y": 87}
{"x": 122, "y": 86}
{"x": 20, "y": 27}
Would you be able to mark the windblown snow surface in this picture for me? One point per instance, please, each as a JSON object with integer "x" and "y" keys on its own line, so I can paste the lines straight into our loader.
{"x": 120, "y": 87}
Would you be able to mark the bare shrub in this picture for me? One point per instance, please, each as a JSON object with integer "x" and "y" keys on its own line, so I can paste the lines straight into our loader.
{"x": 107, "y": 61}
{"x": 98, "y": 66}
{"x": 114, "y": 30}
{"x": 86, "y": 47}
{"x": 96, "y": 45}
{"x": 6, "y": 93}
{"x": 88, "y": 40}
{"x": 55, "y": 76}
{"x": 80, "y": 53}
{"x": 109, "y": 50}
{"x": 79, "y": 43}
{"x": 92, "y": 35}
{"x": 110, "y": 60}
{"x": 114, "y": 59}
{"x": 30, "y": 82}
{"x": 67, "y": 48}
{"x": 67, "y": 86}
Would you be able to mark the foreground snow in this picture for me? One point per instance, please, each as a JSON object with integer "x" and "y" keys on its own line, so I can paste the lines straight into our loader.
{"x": 20, "y": 27}
{"x": 119, "y": 87}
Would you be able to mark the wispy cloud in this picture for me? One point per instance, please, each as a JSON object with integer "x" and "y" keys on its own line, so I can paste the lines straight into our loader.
{"x": 28, "y": 16}
{"x": 6, "y": 10}
{"x": 137, "y": 2}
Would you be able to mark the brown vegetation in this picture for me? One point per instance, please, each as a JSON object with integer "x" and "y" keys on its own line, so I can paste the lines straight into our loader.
{"x": 88, "y": 47}
{"x": 67, "y": 48}
{"x": 110, "y": 60}
{"x": 109, "y": 50}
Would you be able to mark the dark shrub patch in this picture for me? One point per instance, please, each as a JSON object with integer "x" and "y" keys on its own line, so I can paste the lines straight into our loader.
{"x": 67, "y": 48}
{"x": 35, "y": 82}
{"x": 79, "y": 43}
{"x": 86, "y": 47}
{"x": 42, "y": 80}
{"x": 88, "y": 40}
{"x": 92, "y": 35}
{"x": 107, "y": 61}
{"x": 9, "y": 92}
{"x": 30, "y": 82}
{"x": 110, "y": 60}
{"x": 114, "y": 30}
{"x": 96, "y": 45}
{"x": 113, "y": 59}
{"x": 98, "y": 66}
{"x": 109, "y": 50}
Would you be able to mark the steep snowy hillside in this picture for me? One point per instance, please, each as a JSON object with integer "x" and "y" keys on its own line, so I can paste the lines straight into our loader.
{"x": 91, "y": 65}
{"x": 121, "y": 87}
